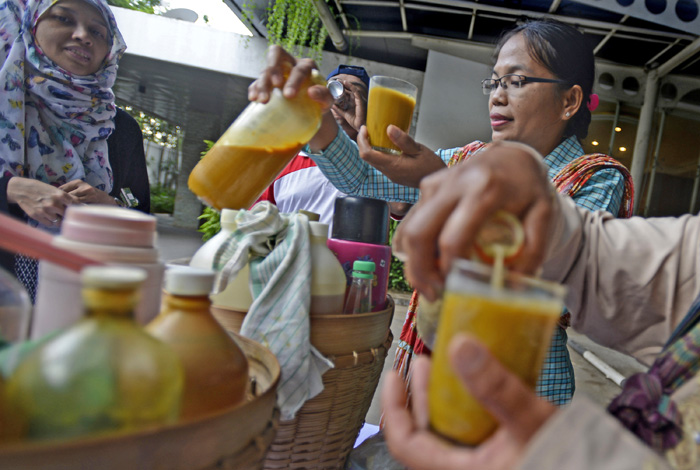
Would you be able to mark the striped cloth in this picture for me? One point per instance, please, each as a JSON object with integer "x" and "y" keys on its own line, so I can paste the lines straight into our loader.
{"x": 645, "y": 406}
{"x": 280, "y": 281}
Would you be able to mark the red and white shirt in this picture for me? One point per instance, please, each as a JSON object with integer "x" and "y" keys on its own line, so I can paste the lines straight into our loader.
{"x": 302, "y": 185}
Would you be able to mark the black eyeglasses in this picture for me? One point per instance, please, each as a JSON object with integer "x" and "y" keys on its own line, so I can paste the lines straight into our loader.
{"x": 513, "y": 80}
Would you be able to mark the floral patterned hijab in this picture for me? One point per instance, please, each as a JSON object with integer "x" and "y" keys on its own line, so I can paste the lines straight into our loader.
{"x": 53, "y": 125}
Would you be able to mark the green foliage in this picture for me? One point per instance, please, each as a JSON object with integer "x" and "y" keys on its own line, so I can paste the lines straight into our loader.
{"x": 155, "y": 129}
{"x": 146, "y": 6}
{"x": 295, "y": 25}
{"x": 397, "y": 280}
{"x": 162, "y": 199}
{"x": 211, "y": 218}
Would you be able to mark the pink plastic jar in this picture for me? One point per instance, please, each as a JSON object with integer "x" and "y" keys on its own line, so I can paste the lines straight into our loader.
{"x": 109, "y": 234}
{"x": 361, "y": 232}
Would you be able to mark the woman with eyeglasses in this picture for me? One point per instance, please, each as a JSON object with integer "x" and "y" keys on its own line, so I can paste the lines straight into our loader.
{"x": 540, "y": 94}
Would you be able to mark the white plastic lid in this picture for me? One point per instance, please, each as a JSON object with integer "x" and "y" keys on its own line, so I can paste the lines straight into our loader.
{"x": 318, "y": 229}
{"x": 113, "y": 277}
{"x": 228, "y": 216}
{"x": 184, "y": 280}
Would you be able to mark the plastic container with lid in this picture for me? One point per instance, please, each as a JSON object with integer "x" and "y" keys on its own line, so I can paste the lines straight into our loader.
{"x": 328, "y": 282}
{"x": 216, "y": 370}
{"x": 236, "y": 296}
{"x": 361, "y": 233}
{"x": 102, "y": 374}
{"x": 256, "y": 148}
{"x": 110, "y": 234}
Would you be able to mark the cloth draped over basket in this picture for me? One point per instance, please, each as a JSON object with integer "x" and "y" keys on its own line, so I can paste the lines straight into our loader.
{"x": 278, "y": 246}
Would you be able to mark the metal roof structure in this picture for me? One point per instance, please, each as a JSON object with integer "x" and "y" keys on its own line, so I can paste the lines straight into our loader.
{"x": 641, "y": 34}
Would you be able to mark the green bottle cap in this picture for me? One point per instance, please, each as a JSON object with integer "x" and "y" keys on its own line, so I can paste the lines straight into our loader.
{"x": 367, "y": 266}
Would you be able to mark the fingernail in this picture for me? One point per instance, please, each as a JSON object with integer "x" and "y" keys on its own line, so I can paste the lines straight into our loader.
{"x": 467, "y": 357}
{"x": 393, "y": 131}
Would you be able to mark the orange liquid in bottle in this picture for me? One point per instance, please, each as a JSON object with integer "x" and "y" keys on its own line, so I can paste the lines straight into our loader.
{"x": 233, "y": 177}
{"x": 387, "y": 106}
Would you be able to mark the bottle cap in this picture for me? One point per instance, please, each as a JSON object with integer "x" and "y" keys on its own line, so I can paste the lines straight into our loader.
{"x": 367, "y": 266}
{"x": 228, "y": 216}
{"x": 318, "y": 229}
{"x": 361, "y": 219}
{"x": 113, "y": 277}
{"x": 336, "y": 88}
{"x": 187, "y": 281}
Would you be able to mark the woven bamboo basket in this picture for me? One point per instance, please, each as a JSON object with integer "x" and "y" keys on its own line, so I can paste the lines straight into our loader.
{"x": 323, "y": 432}
{"x": 233, "y": 438}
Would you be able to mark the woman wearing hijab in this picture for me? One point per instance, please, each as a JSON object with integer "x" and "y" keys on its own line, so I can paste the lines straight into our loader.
{"x": 63, "y": 141}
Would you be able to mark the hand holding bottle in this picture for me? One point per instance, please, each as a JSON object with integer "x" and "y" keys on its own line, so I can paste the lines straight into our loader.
{"x": 290, "y": 74}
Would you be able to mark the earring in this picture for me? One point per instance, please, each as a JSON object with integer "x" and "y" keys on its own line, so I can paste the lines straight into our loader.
{"x": 568, "y": 114}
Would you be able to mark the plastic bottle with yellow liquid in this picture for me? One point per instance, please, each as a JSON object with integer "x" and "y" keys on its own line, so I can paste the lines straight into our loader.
{"x": 256, "y": 148}
{"x": 103, "y": 374}
{"x": 216, "y": 370}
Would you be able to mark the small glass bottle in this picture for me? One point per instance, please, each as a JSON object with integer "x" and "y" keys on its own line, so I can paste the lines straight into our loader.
{"x": 103, "y": 374}
{"x": 359, "y": 298}
{"x": 216, "y": 370}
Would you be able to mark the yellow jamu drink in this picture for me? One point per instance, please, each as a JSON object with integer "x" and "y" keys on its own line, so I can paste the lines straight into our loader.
{"x": 387, "y": 106}
{"x": 514, "y": 318}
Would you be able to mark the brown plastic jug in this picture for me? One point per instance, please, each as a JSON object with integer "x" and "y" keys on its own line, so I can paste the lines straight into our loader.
{"x": 255, "y": 149}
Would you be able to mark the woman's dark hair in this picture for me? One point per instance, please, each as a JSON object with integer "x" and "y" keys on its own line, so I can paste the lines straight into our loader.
{"x": 562, "y": 49}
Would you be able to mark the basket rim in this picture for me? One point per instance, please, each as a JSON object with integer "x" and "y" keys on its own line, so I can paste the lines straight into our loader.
{"x": 389, "y": 307}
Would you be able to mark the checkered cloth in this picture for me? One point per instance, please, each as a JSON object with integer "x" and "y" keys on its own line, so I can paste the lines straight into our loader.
{"x": 280, "y": 281}
{"x": 645, "y": 406}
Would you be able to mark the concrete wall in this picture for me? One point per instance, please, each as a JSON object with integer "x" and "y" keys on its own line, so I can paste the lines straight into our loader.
{"x": 199, "y": 46}
{"x": 190, "y": 44}
{"x": 453, "y": 111}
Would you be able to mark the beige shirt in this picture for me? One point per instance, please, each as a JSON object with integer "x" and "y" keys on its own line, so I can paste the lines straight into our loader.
{"x": 630, "y": 283}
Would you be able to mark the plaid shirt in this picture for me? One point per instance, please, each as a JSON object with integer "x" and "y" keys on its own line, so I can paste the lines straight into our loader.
{"x": 341, "y": 164}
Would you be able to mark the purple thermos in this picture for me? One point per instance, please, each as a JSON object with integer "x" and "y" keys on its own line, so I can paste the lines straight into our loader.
{"x": 361, "y": 232}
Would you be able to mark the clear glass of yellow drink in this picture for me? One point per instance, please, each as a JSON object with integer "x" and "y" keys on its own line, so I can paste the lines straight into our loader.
{"x": 514, "y": 319}
{"x": 391, "y": 101}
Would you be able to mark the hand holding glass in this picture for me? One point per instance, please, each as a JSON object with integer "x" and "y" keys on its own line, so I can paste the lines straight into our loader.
{"x": 515, "y": 322}
{"x": 391, "y": 101}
